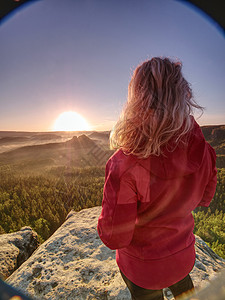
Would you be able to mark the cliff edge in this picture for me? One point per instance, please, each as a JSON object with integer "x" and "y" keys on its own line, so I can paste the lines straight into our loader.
{"x": 74, "y": 264}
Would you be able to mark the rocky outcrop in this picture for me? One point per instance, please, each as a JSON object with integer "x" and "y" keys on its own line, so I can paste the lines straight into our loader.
{"x": 74, "y": 264}
{"x": 213, "y": 291}
{"x": 208, "y": 266}
{"x": 15, "y": 248}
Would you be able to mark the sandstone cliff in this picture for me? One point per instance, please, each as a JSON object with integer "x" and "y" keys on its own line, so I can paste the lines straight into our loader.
{"x": 74, "y": 264}
{"x": 15, "y": 248}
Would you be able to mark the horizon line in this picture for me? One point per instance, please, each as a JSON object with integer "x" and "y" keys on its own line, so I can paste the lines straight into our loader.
{"x": 94, "y": 130}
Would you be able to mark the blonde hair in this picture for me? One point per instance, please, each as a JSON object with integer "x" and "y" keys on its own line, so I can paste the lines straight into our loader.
{"x": 157, "y": 111}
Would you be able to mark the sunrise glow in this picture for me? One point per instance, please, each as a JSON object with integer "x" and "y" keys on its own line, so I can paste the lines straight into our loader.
{"x": 70, "y": 121}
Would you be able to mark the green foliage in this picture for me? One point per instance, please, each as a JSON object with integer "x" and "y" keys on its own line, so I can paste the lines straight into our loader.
{"x": 210, "y": 227}
{"x": 41, "y": 226}
{"x": 43, "y": 201}
{"x": 2, "y": 231}
{"x": 210, "y": 222}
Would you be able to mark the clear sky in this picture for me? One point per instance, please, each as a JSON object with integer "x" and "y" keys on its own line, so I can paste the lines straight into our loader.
{"x": 78, "y": 55}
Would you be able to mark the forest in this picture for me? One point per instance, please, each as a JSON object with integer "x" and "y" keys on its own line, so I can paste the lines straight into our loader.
{"x": 210, "y": 222}
{"x": 43, "y": 201}
{"x": 40, "y": 182}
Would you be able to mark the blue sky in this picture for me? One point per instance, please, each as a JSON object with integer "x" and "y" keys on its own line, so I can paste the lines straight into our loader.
{"x": 75, "y": 55}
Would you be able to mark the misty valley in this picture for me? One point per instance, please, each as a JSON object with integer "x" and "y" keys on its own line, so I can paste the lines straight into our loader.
{"x": 45, "y": 175}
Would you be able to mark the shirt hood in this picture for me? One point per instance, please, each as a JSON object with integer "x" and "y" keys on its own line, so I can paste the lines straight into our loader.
{"x": 184, "y": 160}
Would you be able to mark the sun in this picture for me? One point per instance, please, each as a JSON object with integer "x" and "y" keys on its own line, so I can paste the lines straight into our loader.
{"x": 70, "y": 121}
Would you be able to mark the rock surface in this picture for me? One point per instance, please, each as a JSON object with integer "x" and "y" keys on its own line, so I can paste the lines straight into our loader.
{"x": 213, "y": 291}
{"x": 74, "y": 264}
{"x": 15, "y": 248}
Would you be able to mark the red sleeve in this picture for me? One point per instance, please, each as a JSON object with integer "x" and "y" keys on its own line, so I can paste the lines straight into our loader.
{"x": 119, "y": 207}
{"x": 211, "y": 185}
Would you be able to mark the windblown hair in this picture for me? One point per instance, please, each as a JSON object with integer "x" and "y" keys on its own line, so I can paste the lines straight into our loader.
{"x": 158, "y": 109}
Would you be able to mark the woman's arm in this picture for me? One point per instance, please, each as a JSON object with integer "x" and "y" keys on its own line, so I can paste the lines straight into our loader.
{"x": 119, "y": 207}
{"x": 211, "y": 185}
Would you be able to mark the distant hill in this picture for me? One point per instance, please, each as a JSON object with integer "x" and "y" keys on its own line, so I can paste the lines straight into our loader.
{"x": 11, "y": 140}
{"x": 81, "y": 142}
{"x": 41, "y": 133}
{"x": 215, "y": 135}
{"x": 79, "y": 151}
{"x": 44, "y": 149}
{"x": 100, "y": 135}
{"x": 21, "y": 139}
{"x": 101, "y": 138}
{"x": 46, "y": 136}
{"x": 15, "y": 133}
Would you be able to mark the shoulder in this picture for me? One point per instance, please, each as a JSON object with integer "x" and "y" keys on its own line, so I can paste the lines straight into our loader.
{"x": 120, "y": 162}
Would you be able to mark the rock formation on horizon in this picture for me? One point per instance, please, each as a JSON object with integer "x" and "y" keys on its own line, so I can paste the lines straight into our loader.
{"x": 74, "y": 264}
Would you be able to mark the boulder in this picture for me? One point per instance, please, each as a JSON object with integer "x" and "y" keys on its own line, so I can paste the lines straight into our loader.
{"x": 74, "y": 264}
{"x": 15, "y": 248}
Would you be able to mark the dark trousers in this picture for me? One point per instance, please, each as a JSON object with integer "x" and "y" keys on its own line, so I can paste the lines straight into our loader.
{"x": 139, "y": 293}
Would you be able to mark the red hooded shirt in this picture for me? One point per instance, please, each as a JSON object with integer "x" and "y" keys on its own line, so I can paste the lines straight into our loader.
{"x": 147, "y": 210}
